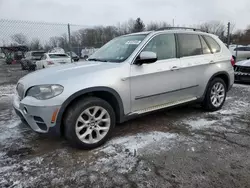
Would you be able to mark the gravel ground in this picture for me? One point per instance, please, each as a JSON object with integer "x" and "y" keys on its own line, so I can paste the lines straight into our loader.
{"x": 183, "y": 147}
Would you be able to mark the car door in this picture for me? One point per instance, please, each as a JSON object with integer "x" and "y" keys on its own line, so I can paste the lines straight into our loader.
{"x": 195, "y": 56}
{"x": 157, "y": 83}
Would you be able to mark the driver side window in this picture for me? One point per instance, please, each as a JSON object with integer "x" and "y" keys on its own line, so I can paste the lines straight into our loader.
{"x": 163, "y": 45}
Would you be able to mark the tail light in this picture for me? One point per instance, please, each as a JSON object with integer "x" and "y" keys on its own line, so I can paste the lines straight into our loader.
{"x": 233, "y": 61}
{"x": 50, "y": 63}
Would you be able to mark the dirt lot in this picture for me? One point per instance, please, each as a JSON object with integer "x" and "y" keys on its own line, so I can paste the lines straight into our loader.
{"x": 183, "y": 147}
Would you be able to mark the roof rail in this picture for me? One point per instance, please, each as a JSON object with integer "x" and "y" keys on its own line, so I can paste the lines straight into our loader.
{"x": 184, "y": 28}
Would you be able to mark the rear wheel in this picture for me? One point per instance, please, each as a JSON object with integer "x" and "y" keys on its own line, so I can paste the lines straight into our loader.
{"x": 89, "y": 122}
{"x": 215, "y": 95}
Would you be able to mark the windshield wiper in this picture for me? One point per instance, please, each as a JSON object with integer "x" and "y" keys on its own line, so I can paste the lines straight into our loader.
{"x": 95, "y": 59}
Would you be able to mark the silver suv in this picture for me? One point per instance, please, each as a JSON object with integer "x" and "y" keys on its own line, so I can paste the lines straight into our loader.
{"x": 131, "y": 75}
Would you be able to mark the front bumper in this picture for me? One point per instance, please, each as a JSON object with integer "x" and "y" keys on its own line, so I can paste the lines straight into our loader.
{"x": 39, "y": 118}
{"x": 242, "y": 77}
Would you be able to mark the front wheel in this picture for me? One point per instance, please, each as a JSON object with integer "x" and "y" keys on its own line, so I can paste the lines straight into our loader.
{"x": 89, "y": 122}
{"x": 215, "y": 95}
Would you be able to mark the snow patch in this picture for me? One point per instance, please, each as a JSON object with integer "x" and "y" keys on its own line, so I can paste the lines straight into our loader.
{"x": 200, "y": 124}
{"x": 6, "y": 90}
{"x": 122, "y": 153}
{"x": 140, "y": 141}
{"x": 242, "y": 86}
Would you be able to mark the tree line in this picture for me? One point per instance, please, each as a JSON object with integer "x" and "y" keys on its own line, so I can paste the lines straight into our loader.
{"x": 97, "y": 36}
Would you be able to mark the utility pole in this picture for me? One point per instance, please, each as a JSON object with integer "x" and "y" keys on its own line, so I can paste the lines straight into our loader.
{"x": 70, "y": 51}
{"x": 228, "y": 34}
{"x": 173, "y": 22}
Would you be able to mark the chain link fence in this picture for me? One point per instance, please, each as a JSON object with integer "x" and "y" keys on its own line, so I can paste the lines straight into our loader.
{"x": 37, "y": 36}
{"x": 19, "y": 37}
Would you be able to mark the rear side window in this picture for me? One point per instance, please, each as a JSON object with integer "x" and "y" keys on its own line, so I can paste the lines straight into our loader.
{"x": 189, "y": 45}
{"x": 205, "y": 48}
{"x": 215, "y": 47}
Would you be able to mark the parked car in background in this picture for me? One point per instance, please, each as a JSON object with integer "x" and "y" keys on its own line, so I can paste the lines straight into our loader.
{"x": 131, "y": 75}
{"x": 240, "y": 52}
{"x": 87, "y": 52}
{"x": 242, "y": 71}
{"x": 30, "y": 58}
{"x": 2, "y": 56}
{"x": 74, "y": 56}
{"x": 52, "y": 59}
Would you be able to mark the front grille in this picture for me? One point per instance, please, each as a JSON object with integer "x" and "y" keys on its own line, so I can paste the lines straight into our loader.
{"x": 20, "y": 90}
{"x": 242, "y": 69}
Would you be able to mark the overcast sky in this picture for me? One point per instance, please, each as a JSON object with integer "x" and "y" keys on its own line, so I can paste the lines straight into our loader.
{"x": 110, "y": 12}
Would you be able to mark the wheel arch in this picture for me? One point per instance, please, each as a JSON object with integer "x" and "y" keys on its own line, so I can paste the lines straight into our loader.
{"x": 105, "y": 93}
{"x": 223, "y": 75}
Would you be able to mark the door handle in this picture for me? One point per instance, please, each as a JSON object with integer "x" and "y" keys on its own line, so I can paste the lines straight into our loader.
{"x": 174, "y": 68}
{"x": 211, "y": 62}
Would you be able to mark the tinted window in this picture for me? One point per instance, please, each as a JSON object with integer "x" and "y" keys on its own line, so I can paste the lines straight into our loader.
{"x": 205, "y": 48}
{"x": 215, "y": 47}
{"x": 189, "y": 45}
{"x": 37, "y": 54}
{"x": 58, "y": 56}
{"x": 242, "y": 49}
{"x": 44, "y": 57}
{"x": 163, "y": 46}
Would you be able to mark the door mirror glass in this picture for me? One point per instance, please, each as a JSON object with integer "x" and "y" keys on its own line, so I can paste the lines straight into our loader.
{"x": 146, "y": 57}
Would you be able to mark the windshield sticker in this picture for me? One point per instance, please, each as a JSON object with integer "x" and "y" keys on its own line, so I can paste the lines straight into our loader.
{"x": 133, "y": 42}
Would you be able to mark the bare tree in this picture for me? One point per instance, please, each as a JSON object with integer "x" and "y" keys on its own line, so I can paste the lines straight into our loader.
{"x": 53, "y": 42}
{"x": 241, "y": 36}
{"x": 156, "y": 25}
{"x": 215, "y": 27}
{"x": 20, "y": 39}
{"x": 35, "y": 44}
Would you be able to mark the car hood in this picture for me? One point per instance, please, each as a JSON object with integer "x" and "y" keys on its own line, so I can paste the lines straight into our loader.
{"x": 245, "y": 63}
{"x": 57, "y": 74}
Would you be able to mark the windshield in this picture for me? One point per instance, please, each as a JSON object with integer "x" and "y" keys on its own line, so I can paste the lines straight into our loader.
{"x": 58, "y": 56}
{"x": 119, "y": 49}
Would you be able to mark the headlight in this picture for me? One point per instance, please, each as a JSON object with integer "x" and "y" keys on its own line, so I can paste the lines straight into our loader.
{"x": 44, "y": 92}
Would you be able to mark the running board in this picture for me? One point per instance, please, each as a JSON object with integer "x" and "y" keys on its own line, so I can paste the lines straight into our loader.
{"x": 150, "y": 109}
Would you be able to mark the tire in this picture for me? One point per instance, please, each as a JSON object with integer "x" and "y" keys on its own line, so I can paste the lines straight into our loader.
{"x": 208, "y": 103}
{"x": 79, "y": 109}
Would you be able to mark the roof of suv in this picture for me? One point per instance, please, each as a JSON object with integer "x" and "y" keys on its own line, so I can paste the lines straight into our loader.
{"x": 171, "y": 31}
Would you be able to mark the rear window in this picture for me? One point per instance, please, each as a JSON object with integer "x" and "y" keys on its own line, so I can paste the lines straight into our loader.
{"x": 242, "y": 49}
{"x": 189, "y": 45}
{"x": 58, "y": 56}
{"x": 37, "y": 54}
{"x": 215, "y": 47}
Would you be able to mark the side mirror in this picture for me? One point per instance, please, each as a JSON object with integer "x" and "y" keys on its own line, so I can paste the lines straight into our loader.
{"x": 146, "y": 57}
